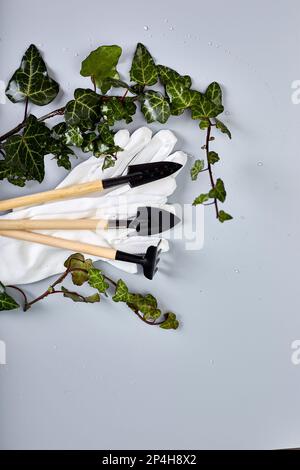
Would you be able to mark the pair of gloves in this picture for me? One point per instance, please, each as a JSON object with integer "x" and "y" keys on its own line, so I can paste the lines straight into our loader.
{"x": 23, "y": 262}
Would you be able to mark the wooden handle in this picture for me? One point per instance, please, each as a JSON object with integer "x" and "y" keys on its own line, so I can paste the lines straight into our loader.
{"x": 76, "y": 190}
{"x": 74, "y": 246}
{"x": 55, "y": 224}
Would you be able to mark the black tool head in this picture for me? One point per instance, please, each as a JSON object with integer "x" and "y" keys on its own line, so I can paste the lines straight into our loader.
{"x": 152, "y": 220}
{"x": 150, "y": 261}
{"x": 148, "y": 172}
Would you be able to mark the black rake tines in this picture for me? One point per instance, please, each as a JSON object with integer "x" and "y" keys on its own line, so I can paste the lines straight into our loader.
{"x": 149, "y": 261}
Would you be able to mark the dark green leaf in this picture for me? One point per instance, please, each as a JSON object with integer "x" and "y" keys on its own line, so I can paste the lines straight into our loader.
{"x": 116, "y": 109}
{"x": 170, "y": 323}
{"x": 203, "y": 108}
{"x": 106, "y": 134}
{"x": 201, "y": 199}
{"x": 31, "y": 80}
{"x": 177, "y": 88}
{"x": 85, "y": 108}
{"x": 223, "y": 216}
{"x": 214, "y": 93}
{"x": 74, "y": 136}
{"x": 221, "y": 126}
{"x": 25, "y": 153}
{"x": 116, "y": 83}
{"x": 91, "y": 299}
{"x": 155, "y": 107}
{"x": 97, "y": 280}
{"x": 196, "y": 169}
{"x": 88, "y": 141}
{"x": 218, "y": 192}
{"x": 109, "y": 161}
{"x": 101, "y": 64}
{"x": 6, "y": 301}
{"x": 213, "y": 157}
{"x": 79, "y": 268}
{"x": 143, "y": 69}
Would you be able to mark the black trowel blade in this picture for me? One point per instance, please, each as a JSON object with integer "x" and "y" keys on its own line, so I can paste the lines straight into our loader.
{"x": 153, "y": 220}
{"x": 148, "y": 172}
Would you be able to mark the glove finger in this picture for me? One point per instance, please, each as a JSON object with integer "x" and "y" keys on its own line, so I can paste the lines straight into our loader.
{"x": 158, "y": 149}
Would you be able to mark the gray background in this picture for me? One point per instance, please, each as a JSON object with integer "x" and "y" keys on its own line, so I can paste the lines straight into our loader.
{"x": 95, "y": 376}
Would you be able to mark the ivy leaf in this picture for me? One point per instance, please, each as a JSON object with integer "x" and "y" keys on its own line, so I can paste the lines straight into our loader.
{"x": 196, "y": 169}
{"x": 31, "y": 80}
{"x": 155, "y": 107}
{"x": 201, "y": 199}
{"x": 88, "y": 141}
{"x": 6, "y": 301}
{"x": 73, "y": 136}
{"x": 147, "y": 305}
{"x": 221, "y": 126}
{"x": 106, "y": 134}
{"x": 26, "y": 152}
{"x": 97, "y": 280}
{"x": 85, "y": 108}
{"x": 203, "y": 108}
{"x": 204, "y": 124}
{"x": 218, "y": 192}
{"x": 109, "y": 162}
{"x": 57, "y": 146}
{"x": 214, "y": 93}
{"x": 143, "y": 69}
{"x": 101, "y": 64}
{"x": 91, "y": 299}
{"x": 213, "y": 157}
{"x": 170, "y": 323}
{"x": 117, "y": 83}
{"x": 116, "y": 109}
{"x": 177, "y": 88}
{"x": 223, "y": 216}
{"x": 121, "y": 292}
{"x": 79, "y": 268}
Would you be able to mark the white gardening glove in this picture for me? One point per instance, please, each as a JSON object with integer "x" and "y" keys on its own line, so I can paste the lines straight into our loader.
{"x": 33, "y": 262}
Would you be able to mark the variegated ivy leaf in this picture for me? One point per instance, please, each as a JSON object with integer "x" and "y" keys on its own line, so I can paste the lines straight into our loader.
{"x": 196, "y": 169}
{"x": 79, "y": 268}
{"x": 155, "y": 107}
{"x": 91, "y": 299}
{"x": 213, "y": 157}
{"x": 74, "y": 136}
{"x": 214, "y": 93}
{"x": 26, "y": 152}
{"x": 223, "y": 216}
{"x": 31, "y": 80}
{"x": 97, "y": 280}
{"x": 171, "y": 322}
{"x": 143, "y": 69}
{"x": 101, "y": 64}
{"x": 116, "y": 109}
{"x": 203, "y": 108}
{"x": 200, "y": 199}
{"x": 84, "y": 109}
{"x": 221, "y": 126}
{"x": 218, "y": 192}
{"x": 6, "y": 301}
{"x": 121, "y": 292}
{"x": 177, "y": 88}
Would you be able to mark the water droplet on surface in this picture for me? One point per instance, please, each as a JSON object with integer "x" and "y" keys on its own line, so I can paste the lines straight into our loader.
{"x": 260, "y": 164}
{"x": 237, "y": 271}
{"x": 146, "y": 28}
{"x": 227, "y": 113}
{"x": 217, "y": 46}
{"x": 210, "y": 43}
{"x": 212, "y": 362}
{"x": 76, "y": 54}
{"x": 171, "y": 28}
{"x": 166, "y": 20}
{"x": 55, "y": 347}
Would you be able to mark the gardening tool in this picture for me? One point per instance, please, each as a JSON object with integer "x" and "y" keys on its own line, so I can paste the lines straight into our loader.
{"x": 148, "y": 261}
{"x": 136, "y": 175}
{"x": 148, "y": 221}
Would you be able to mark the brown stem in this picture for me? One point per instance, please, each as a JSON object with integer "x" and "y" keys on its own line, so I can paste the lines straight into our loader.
{"x": 211, "y": 177}
{"x": 26, "y": 109}
{"x": 21, "y": 292}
